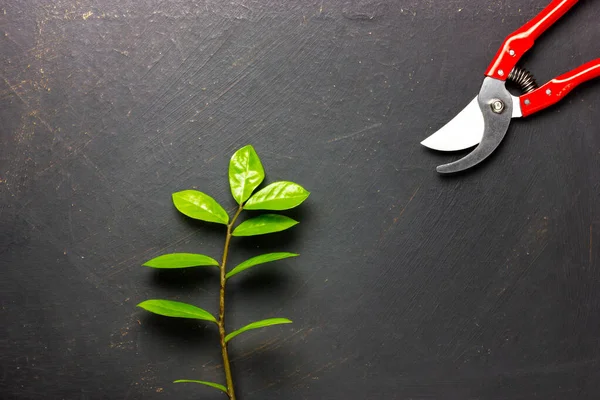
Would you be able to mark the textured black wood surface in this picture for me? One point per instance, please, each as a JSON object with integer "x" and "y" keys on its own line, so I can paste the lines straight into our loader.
{"x": 410, "y": 285}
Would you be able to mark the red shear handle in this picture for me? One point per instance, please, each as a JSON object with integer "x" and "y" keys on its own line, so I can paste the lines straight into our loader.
{"x": 554, "y": 91}
{"x": 523, "y": 38}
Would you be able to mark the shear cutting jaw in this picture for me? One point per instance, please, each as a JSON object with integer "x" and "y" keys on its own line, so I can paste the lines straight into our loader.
{"x": 497, "y": 108}
{"x": 465, "y": 130}
{"x": 462, "y": 132}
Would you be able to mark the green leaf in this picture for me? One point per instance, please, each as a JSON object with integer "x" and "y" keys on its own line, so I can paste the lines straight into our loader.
{"x": 211, "y": 384}
{"x": 277, "y": 196}
{"x": 170, "y": 308}
{"x": 256, "y": 325}
{"x": 245, "y": 173}
{"x": 267, "y": 223}
{"x": 264, "y": 258}
{"x": 201, "y": 206}
{"x": 181, "y": 260}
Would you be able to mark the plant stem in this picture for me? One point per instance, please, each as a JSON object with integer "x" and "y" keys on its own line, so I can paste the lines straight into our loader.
{"x": 221, "y": 322}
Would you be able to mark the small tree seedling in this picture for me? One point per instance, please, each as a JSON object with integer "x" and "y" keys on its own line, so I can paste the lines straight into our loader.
{"x": 246, "y": 173}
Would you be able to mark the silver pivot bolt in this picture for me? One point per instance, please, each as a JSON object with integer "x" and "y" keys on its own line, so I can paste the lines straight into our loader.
{"x": 497, "y": 106}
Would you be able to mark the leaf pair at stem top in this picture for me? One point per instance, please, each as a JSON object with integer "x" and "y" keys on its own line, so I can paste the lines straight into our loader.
{"x": 246, "y": 173}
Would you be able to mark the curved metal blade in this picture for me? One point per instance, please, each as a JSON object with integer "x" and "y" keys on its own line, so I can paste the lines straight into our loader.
{"x": 462, "y": 132}
{"x": 495, "y": 125}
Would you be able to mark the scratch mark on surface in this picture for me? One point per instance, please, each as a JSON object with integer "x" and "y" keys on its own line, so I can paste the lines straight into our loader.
{"x": 322, "y": 368}
{"x": 270, "y": 344}
{"x": 396, "y": 219}
{"x": 36, "y": 115}
{"x": 277, "y": 155}
{"x": 591, "y": 233}
{"x": 95, "y": 166}
{"x": 14, "y": 90}
{"x": 231, "y": 86}
{"x": 165, "y": 90}
{"x": 305, "y": 283}
{"x": 70, "y": 220}
{"x": 351, "y": 135}
{"x": 243, "y": 5}
{"x": 311, "y": 375}
{"x": 409, "y": 200}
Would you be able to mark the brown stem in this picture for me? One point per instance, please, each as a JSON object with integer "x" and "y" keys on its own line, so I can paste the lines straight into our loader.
{"x": 221, "y": 322}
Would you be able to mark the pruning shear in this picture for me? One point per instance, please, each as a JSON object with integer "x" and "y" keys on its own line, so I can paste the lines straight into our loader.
{"x": 484, "y": 122}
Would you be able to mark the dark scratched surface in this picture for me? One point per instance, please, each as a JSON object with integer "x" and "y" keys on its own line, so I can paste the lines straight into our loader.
{"x": 410, "y": 285}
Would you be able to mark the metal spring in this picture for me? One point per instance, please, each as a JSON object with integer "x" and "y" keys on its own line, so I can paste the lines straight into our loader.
{"x": 523, "y": 78}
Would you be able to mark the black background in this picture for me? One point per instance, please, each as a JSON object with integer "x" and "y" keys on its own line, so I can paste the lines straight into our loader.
{"x": 410, "y": 285}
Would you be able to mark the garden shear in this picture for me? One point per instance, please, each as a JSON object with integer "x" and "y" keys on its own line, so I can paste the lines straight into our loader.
{"x": 484, "y": 122}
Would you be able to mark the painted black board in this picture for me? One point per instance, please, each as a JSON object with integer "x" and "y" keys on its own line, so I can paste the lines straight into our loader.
{"x": 409, "y": 286}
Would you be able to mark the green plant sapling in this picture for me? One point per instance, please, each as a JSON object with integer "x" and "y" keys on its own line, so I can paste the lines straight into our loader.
{"x": 245, "y": 175}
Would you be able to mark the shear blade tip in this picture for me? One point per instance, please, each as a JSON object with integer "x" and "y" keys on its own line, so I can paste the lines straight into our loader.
{"x": 432, "y": 144}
